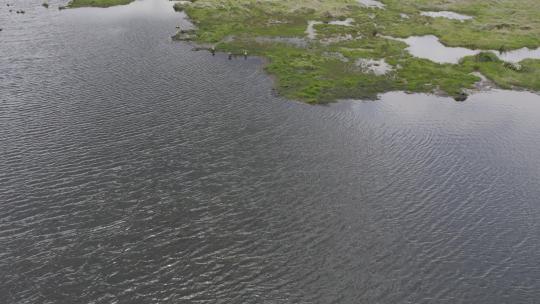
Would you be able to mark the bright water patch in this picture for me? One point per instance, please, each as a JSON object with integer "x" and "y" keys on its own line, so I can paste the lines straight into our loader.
{"x": 346, "y": 22}
{"x": 519, "y": 54}
{"x": 447, "y": 15}
{"x": 310, "y": 31}
{"x": 430, "y": 47}
{"x": 371, "y": 3}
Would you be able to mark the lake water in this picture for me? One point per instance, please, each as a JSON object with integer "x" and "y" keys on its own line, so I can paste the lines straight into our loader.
{"x": 430, "y": 47}
{"x": 135, "y": 170}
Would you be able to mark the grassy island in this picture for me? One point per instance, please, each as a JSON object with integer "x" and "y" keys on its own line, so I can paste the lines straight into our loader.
{"x": 97, "y": 3}
{"x": 323, "y": 50}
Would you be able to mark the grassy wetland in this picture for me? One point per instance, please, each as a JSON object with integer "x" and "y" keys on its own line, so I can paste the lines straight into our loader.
{"x": 97, "y": 3}
{"x": 321, "y": 50}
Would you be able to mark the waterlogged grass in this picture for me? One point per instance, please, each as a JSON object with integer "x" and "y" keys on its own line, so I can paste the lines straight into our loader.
{"x": 526, "y": 74}
{"x": 315, "y": 77}
{"x": 508, "y": 23}
{"x": 97, "y": 3}
{"x": 324, "y": 69}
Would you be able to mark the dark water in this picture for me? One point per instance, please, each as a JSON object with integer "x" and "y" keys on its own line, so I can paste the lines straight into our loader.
{"x": 134, "y": 170}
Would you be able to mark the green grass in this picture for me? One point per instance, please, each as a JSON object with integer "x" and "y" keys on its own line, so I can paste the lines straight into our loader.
{"x": 309, "y": 74}
{"x": 504, "y": 74}
{"x": 97, "y": 3}
{"x": 496, "y": 23}
{"x": 325, "y": 70}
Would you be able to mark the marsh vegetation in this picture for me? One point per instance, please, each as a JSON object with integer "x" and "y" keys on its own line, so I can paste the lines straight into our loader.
{"x": 97, "y": 3}
{"x": 341, "y": 32}
{"x": 330, "y": 36}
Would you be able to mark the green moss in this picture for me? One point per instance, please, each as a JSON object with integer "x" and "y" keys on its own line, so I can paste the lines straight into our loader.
{"x": 421, "y": 75}
{"x": 525, "y": 74}
{"x": 97, "y": 3}
{"x": 513, "y": 23}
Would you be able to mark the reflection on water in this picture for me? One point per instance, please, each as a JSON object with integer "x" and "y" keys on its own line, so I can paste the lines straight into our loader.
{"x": 447, "y": 15}
{"x": 430, "y": 47}
{"x": 295, "y": 41}
{"x": 310, "y": 31}
{"x": 520, "y": 54}
{"x": 346, "y": 22}
{"x": 134, "y": 170}
{"x": 371, "y": 3}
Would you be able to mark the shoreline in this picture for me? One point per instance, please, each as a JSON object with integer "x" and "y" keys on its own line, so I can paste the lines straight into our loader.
{"x": 324, "y": 73}
{"x": 345, "y": 51}
{"x": 97, "y": 3}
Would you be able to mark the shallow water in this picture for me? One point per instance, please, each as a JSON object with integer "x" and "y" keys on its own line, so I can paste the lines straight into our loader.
{"x": 310, "y": 30}
{"x": 371, "y": 3}
{"x": 447, "y": 15}
{"x": 519, "y": 54}
{"x": 134, "y": 170}
{"x": 430, "y": 47}
{"x": 346, "y": 22}
{"x": 377, "y": 67}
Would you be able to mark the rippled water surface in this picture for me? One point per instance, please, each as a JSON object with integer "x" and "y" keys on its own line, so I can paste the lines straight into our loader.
{"x": 135, "y": 170}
